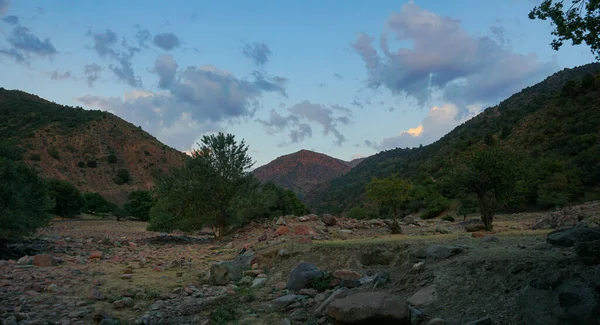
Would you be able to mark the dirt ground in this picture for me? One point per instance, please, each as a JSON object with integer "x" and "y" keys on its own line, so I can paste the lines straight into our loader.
{"x": 484, "y": 280}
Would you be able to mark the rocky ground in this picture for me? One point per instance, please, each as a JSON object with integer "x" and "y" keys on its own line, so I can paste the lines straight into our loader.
{"x": 311, "y": 270}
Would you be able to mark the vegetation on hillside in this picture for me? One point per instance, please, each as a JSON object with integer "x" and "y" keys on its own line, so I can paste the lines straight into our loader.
{"x": 68, "y": 200}
{"x": 552, "y": 127}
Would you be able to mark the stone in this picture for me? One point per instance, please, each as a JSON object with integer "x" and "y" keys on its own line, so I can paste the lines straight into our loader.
{"x": 246, "y": 280}
{"x": 96, "y": 255}
{"x": 96, "y": 294}
{"x": 284, "y": 301}
{"x": 488, "y": 239}
{"x": 52, "y": 288}
{"x": 482, "y": 321}
{"x": 308, "y": 292}
{"x": 123, "y": 303}
{"x": 259, "y": 282}
{"x": 436, "y": 321}
{"x": 369, "y": 307}
{"x": 280, "y": 222}
{"x": 303, "y": 219}
{"x": 304, "y": 230}
{"x": 416, "y": 316}
{"x": 222, "y": 272}
{"x": 568, "y": 237}
{"x": 329, "y": 220}
{"x": 229, "y": 245}
{"x": 253, "y": 273}
{"x": 345, "y": 274}
{"x": 424, "y": 297}
{"x": 472, "y": 225}
{"x": 435, "y": 253}
{"x": 477, "y": 235}
{"x": 25, "y": 260}
{"x": 283, "y": 252}
{"x": 302, "y": 276}
{"x": 43, "y": 260}
{"x": 126, "y": 276}
{"x": 263, "y": 237}
{"x": 588, "y": 252}
{"x": 286, "y": 321}
{"x": 282, "y": 230}
{"x": 280, "y": 285}
{"x": 337, "y": 294}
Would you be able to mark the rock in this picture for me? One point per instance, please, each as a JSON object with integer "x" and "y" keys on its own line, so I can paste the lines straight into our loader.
{"x": 222, "y": 273}
{"x": 25, "y": 260}
{"x": 477, "y": 235}
{"x": 553, "y": 299}
{"x": 304, "y": 230}
{"x": 329, "y": 220}
{"x": 43, "y": 260}
{"x": 280, "y": 285}
{"x": 282, "y": 230}
{"x": 434, "y": 253}
{"x": 369, "y": 307}
{"x": 302, "y": 276}
{"x": 52, "y": 288}
{"x": 436, "y": 321}
{"x": 247, "y": 280}
{"x": 345, "y": 274}
{"x": 253, "y": 273}
{"x": 488, "y": 239}
{"x": 411, "y": 220}
{"x": 416, "y": 316}
{"x": 280, "y": 222}
{"x": 229, "y": 245}
{"x": 96, "y": 255}
{"x": 472, "y": 225}
{"x": 284, "y": 301}
{"x": 442, "y": 230}
{"x": 123, "y": 303}
{"x": 481, "y": 321}
{"x": 283, "y": 252}
{"x": 376, "y": 257}
{"x": 126, "y": 276}
{"x": 303, "y": 219}
{"x": 177, "y": 290}
{"x": 567, "y": 237}
{"x": 308, "y": 292}
{"x": 286, "y": 321}
{"x": 96, "y": 294}
{"x": 259, "y": 282}
{"x": 423, "y": 297}
{"x": 337, "y": 294}
{"x": 263, "y": 237}
{"x": 588, "y": 252}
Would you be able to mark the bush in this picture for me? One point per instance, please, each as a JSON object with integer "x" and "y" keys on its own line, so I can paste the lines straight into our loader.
{"x": 112, "y": 159}
{"x": 24, "y": 201}
{"x": 11, "y": 152}
{"x": 92, "y": 163}
{"x": 122, "y": 177}
{"x": 448, "y": 218}
{"x": 96, "y": 203}
{"x": 321, "y": 283}
{"x": 35, "y": 157}
{"x": 223, "y": 314}
{"x": 53, "y": 152}
{"x": 81, "y": 164}
{"x": 139, "y": 205}
{"x": 68, "y": 200}
{"x": 436, "y": 204}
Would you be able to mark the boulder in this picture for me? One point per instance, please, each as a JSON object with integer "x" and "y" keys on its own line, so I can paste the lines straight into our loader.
{"x": 472, "y": 225}
{"x": 284, "y": 301}
{"x": 435, "y": 253}
{"x": 553, "y": 299}
{"x": 280, "y": 222}
{"x": 44, "y": 260}
{"x": 347, "y": 274}
{"x": 282, "y": 230}
{"x": 329, "y": 220}
{"x": 568, "y": 237}
{"x": 302, "y": 276}
{"x": 337, "y": 294}
{"x": 222, "y": 272}
{"x": 423, "y": 297}
{"x": 588, "y": 252}
{"x": 304, "y": 230}
{"x": 259, "y": 282}
{"x": 369, "y": 307}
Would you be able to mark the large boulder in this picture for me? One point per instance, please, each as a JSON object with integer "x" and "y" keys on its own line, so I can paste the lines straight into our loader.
{"x": 44, "y": 260}
{"x": 329, "y": 220}
{"x": 425, "y": 296}
{"x": 303, "y": 275}
{"x": 222, "y": 272}
{"x": 554, "y": 299}
{"x": 369, "y": 308}
{"x": 588, "y": 252}
{"x": 568, "y": 237}
{"x": 435, "y": 253}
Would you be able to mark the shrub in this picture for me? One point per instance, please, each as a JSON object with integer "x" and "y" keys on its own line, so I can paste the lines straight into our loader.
{"x": 436, "y": 204}
{"x": 139, "y": 205}
{"x": 71, "y": 149}
{"x": 122, "y": 177}
{"x": 35, "y": 157}
{"x": 112, "y": 159}
{"x": 223, "y": 314}
{"x": 321, "y": 283}
{"x": 81, "y": 164}
{"x": 92, "y": 163}
{"x": 96, "y": 203}
{"x": 11, "y": 152}
{"x": 68, "y": 200}
{"x": 448, "y": 218}
{"x": 147, "y": 153}
{"x": 24, "y": 200}
{"x": 53, "y": 152}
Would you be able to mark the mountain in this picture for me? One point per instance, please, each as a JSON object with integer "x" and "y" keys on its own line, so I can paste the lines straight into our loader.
{"x": 354, "y": 162}
{"x": 301, "y": 171}
{"x": 555, "y": 125}
{"x": 95, "y": 151}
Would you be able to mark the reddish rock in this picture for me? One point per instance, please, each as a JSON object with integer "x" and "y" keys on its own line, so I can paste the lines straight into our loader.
{"x": 329, "y": 220}
{"x": 282, "y": 230}
{"x": 477, "y": 235}
{"x": 44, "y": 260}
{"x": 304, "y": 230}
{"x": 96, "y": 255}
{"x": 132, "y": 244}
{"x": 263, "y": 237}
{"x": 347, "y": 275}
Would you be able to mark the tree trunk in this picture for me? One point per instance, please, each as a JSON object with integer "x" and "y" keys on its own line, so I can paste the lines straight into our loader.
{"x": 395, "y": 228}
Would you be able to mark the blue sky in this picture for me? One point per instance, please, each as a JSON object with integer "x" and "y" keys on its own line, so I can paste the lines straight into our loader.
{"x": 346, "y": 78}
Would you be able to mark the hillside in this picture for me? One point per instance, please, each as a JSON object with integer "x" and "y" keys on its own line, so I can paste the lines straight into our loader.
{"x": 302, "y": 171}
{"x": 555, "y": 123}
{"x": 94, "y": 150}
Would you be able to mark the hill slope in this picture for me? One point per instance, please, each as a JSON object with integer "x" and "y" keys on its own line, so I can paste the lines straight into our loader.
{"x": 94, "y": 150}
{"x": 302, "y": 170}
{"x": 557, "y": 119}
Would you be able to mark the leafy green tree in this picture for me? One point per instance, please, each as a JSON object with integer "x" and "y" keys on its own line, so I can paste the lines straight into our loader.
{"x": 580, "y": 23}
{"x": 24, "y": 201}
{"x": 139, "y": 204}
{"x": 96, "y": 203}
{"x": 68, "y": 200}
{"x": 491, "y": 175}
{"x": 393, "y": 192}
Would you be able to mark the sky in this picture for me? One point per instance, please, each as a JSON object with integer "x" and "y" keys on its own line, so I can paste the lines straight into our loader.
{"x": 345, "y": 78}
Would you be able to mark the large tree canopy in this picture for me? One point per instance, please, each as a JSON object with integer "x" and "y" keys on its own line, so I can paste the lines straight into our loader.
{"x": 579, "y": 23}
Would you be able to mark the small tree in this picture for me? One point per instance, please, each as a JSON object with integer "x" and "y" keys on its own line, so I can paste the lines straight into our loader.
{"x": 139, "y": 205}
{"x": 393, "y": 192}
{"x": 579, "y": 23}
{"x": 491, "y": 175}
{"x": 67, "y": 198}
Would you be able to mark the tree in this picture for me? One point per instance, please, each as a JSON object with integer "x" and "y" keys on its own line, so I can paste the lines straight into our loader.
{"x": 580, "y": 23}
{"x": 68, "y": 200}
{"x": 491, "y": 175}
{"x": 139, "y": 205}
{"x": 390, "y": 191}
{"x": 24, "y": 201}
{"x": 96, "y": 203}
